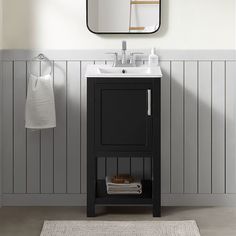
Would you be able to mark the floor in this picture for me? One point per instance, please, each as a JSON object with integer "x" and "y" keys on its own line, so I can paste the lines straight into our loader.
{"x": 28, "y": 221}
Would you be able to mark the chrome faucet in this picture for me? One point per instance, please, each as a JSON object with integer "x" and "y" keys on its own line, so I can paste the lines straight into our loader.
{"x": 124, "y": 62}
{"x": 124, "y": 48}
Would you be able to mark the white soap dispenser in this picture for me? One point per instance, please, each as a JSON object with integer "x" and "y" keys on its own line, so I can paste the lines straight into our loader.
{"x": 153, "y": 58}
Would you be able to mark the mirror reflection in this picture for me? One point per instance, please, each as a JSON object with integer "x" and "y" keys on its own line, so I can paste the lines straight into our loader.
{"x": 123, "y": 16}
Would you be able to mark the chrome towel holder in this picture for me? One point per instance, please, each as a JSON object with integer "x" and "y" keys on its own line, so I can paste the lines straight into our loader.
{"x": 40, "y": 57}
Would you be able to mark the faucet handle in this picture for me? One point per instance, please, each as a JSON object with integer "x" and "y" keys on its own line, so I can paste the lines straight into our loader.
{"x": 112, "y": 53}
{"x": 132, "y": 59}
{"x": 116, "y": 57}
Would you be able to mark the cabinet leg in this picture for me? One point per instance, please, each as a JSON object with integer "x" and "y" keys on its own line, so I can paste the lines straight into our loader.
{"x": 91, "y": 211}
{"x": 156, "y": 210}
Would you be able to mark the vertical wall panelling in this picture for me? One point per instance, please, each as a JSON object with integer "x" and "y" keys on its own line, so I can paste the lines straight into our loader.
{"x": 20, "y": 159}
{"x": 60, "y": 147}
{"x": 204, "y": 127}
{"x": 83, "y": 152}
{"x": 190, "y": 126}
{"x": 165, "y": 127}
{"x": 33, "y": 147}
{"x": 7, "y": 141}
{"x": 111, "y": 164}
{"x": 230, "y": 127}
{"x": 198, "y": 134}
{"x": 124, "y": 165}
{"x": 218, "y": 127}
{"x": 177, "y": 82}
{"x": 47, "y": 149}
{"x": 137, "y": 167}
{"x": 73, "y": 127}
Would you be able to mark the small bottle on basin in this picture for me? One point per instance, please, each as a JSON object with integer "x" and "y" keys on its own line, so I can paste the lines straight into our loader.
{"x": 153, "y": 58}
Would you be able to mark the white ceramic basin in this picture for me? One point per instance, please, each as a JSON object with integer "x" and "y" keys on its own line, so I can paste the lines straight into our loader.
{"x": 109, "y": 71}
{"x": 127, "y": 70}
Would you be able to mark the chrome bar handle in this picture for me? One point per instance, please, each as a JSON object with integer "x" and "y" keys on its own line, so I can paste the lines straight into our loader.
{"x": 149, "y": 109}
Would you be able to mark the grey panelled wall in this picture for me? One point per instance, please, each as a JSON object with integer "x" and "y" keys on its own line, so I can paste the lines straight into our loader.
{"x": 1, "y": 81}
{"x": 48, "y": 167}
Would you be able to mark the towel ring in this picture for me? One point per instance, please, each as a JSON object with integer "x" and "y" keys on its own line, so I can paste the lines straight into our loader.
{"x": 41, "y": 57}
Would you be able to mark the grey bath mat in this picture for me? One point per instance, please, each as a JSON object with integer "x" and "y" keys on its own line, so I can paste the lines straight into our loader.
{"x": 120, "y": 228}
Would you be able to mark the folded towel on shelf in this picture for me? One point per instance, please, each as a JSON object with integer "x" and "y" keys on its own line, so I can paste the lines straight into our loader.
{"x": 40, "y": 105}
{"x": 131, "y": 188}
{"x": 123, "y": 191}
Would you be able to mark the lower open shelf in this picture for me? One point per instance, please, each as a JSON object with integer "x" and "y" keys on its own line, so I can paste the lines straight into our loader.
{"x": 106, "y": 199}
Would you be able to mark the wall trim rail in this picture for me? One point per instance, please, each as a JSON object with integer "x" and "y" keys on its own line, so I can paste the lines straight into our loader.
{"x": 80, "y": 199}
{"x": 83, "y": 55}
{"x": 44, "y": 199}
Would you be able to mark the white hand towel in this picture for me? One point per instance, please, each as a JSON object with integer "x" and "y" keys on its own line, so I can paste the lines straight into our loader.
{"x": 40, "y": 105}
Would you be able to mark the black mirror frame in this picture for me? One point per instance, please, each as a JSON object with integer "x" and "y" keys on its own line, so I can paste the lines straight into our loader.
{"x": 122, "y": 32}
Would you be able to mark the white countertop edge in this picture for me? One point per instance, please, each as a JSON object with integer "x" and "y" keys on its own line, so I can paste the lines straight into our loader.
{"x": 124, "y": 76}
{"x": 92, "y": 72}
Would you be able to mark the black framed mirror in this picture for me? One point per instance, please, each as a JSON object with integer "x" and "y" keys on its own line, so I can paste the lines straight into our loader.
{"x": 123, "y": 16}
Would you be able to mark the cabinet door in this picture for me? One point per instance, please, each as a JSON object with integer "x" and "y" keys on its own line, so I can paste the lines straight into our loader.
{"x": 123, "y": 120}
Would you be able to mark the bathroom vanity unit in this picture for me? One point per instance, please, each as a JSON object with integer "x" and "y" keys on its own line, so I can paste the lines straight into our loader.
{"x": 123, "y": 122}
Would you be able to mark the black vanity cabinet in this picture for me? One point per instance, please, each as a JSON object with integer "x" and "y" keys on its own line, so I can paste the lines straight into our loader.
{"x": 123, "y": 121}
